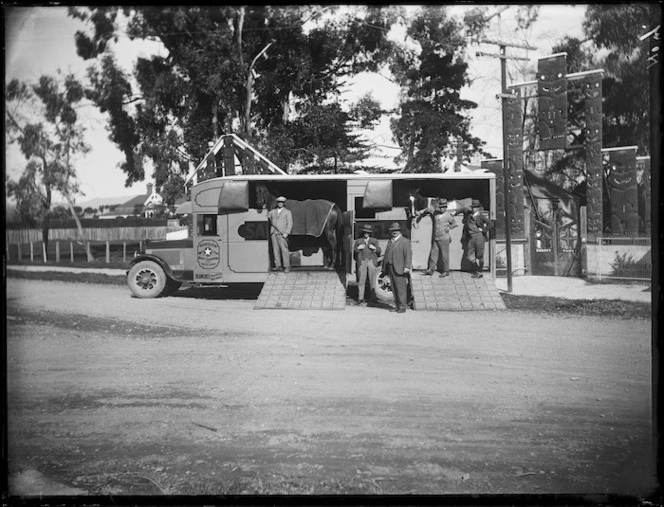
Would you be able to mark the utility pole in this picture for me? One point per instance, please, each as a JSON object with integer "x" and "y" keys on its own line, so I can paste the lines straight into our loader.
{"x": 504, "y": 95}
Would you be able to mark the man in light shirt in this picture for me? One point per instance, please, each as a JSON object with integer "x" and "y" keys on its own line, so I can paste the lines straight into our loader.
{"x": 281, "y": 224}
{"x": 443, "y": 221}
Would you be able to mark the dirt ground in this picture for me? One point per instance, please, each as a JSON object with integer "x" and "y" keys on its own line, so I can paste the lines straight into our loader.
{"x": 200, "y": 394}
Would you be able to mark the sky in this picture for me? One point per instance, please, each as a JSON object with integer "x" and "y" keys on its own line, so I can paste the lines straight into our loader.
{"x": 40, "y": 40}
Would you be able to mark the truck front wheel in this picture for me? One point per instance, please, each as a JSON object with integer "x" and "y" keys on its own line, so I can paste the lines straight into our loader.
{"x": 146, "y": 279}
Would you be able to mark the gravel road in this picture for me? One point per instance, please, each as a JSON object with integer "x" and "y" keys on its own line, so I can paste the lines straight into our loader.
{"x": 200, "y": 394}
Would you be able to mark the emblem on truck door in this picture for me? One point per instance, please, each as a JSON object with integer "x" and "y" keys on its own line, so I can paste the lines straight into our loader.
{"x": 208, "y": 254}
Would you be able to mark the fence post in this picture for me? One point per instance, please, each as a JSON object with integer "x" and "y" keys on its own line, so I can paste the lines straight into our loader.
{"x": 108, "y": 251}
{"x": 19, "y": 251}
{"x": 71, "y": 251}
{"x": 44, "y": 251}
{"x": 124, "y": 252}
{"x": 57, "y": 251}
{"x": 32, "y": 252}
{"x": 7, "y": 249}
{"x": 599, "y": 257}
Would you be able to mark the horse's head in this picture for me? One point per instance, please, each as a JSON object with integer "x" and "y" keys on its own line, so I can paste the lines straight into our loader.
{"x": 416, "y": 201}
{"x": 262, "y": 197}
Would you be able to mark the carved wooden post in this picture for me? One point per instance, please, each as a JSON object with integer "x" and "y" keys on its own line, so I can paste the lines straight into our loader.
{"x": 623, "y": 190}
{"x": 643, "y": 166}
{"x": 515, "y": 166}
{"x": 592, "y": 92}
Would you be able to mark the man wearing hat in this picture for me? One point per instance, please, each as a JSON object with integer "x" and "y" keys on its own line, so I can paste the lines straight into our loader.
{"x": 476, "y": 227}
{"x": 366, "y": 252}
{"x": 281, "y": 224}
{"x": 443, "y": 221}
{"x": 397, "y": 263}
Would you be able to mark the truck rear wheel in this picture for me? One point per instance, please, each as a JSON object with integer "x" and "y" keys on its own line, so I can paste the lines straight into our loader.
{"x": 146, "y": 279}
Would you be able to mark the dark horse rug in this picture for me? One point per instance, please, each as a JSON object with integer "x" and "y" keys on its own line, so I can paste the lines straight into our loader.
{"x": 309, "y": 216}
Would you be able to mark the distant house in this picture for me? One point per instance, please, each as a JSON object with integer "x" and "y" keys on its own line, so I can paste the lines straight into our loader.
{"x": 144, "y": 205}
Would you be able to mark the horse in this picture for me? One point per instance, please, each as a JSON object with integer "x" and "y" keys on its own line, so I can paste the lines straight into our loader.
{"x": 333, "y": 227}
{"x": 417, "y": 204}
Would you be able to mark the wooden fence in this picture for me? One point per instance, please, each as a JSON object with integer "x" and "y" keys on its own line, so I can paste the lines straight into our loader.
{"x": 114, "y": 244}
{"x": 14, "y": 236}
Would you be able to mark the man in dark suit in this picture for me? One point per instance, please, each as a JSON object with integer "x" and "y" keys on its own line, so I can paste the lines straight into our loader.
{"x": 366, "y": 251}
{"x": 397, "y": 263}
{"x": 476, "y": 227}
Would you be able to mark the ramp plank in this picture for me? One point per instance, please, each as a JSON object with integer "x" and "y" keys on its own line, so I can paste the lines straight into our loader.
{"x": 303, "y": 290}
{"x": 457, "y": 292}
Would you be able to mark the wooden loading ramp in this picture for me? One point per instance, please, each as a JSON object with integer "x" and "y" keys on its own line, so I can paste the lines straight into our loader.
{"x": 457, "y": 292}
{"x": 303, "y": 290}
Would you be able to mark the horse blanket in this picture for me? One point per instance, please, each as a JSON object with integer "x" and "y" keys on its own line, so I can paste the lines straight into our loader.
{"x": 309, "y": 216}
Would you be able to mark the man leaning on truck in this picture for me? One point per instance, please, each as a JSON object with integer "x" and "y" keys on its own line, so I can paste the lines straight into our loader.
{"x": 281, "y": 224}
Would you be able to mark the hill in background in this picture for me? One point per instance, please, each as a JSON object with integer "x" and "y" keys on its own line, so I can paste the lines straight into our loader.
{"x": 103, "y": 201}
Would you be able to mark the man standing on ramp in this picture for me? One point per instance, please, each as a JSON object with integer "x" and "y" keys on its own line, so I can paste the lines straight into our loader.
{"x": 281, "y": 224}
{"x": 443, "y": 221}
{"x": 397, "y": 263}
{"x": 366, "y": 251}
{"x": 475, "y": 226}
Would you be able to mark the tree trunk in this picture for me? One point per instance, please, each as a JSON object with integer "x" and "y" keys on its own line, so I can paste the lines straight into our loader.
{"x": 286, "y": 106}
{"x": 81, "y": 234}
{"x": 247, "y": 106}
{"x": 45, "y": 229}
{"x": 215, "y": 118}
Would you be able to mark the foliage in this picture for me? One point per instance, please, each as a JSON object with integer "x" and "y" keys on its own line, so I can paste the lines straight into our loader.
{"x": 41, "y": 118}
{"x": 625, "y": 266}
{"x": 325, "y": 130}
{"x": 612, "y": 44}
{"x": 615, "y": 309}
{"x": 625, "y": 85}
{"x": 229, "y": 69}
{"x": 432, "y": 116}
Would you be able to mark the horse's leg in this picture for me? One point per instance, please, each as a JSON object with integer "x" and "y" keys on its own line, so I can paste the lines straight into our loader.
{"x": 332, "y": 241}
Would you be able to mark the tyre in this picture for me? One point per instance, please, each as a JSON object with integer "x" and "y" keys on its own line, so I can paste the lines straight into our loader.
{"x": 384, "y": 288}
{"x": 146, "y": 279}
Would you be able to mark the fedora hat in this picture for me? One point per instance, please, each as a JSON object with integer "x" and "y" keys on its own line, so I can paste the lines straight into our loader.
{"x": 395, "y": 226}
{"x": 281, "y": 198}
{"x": 367, "y": 228}
{"x": 475, "y": 204}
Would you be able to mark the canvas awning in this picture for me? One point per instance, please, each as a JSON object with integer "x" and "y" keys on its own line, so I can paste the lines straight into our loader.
{"x": 378, "y": 195}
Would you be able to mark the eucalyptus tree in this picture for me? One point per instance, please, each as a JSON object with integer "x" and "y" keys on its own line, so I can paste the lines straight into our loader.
{"x": 42, "y": 119}
{"x": 249, "y": 70}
